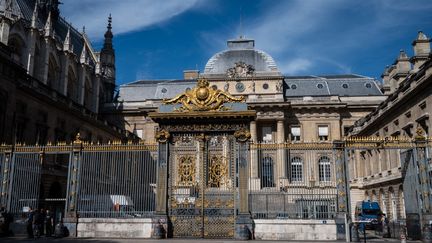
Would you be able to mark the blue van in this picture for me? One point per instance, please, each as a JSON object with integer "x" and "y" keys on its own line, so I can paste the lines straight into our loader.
{"x": 368, "y": 212}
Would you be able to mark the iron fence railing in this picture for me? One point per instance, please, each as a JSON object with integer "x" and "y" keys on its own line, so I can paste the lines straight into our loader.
{"x": 292, "y": 181}
{"x": 117, "y": 183}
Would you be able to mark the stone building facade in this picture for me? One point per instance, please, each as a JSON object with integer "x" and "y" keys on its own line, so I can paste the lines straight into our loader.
{"x": 53, "y": 83}
{"x": 289, "y": 108}
{"x": 378, "y": 176}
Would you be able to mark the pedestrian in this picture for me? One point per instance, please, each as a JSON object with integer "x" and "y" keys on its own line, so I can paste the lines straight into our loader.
{"x": 41, "y": 222}
{"x": 29, "y": 221}
{"x": 37, "y": 218}
{"x": 49, "y": 223}
{"x": 6, "y": 219}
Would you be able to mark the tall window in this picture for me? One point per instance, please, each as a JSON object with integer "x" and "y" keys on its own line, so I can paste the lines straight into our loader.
{"x": 324, "y": 169}
{"x": 267, "y": 134}
{"x": 295, "y": 133}
{"x": 323, "y": 133}
{"x": 88, "y": 94}
{"x": 53, "y": 74}
{"x": 296, "y": 169}
{"x": 267, "y": 179}
{"x": 72, "y": 86}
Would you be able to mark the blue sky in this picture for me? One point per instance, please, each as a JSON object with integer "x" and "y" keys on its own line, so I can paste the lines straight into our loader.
{"x": 158, "y": 39}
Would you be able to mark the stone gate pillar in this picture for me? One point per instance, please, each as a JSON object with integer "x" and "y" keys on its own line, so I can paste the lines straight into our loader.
{"x": 5, "y": 173}
{"x": 71, "y": 218}
{"x": 244, "y": 221}
{"x": 160, "y": 225}
{"x": 342, "y": 189}
{"x": 424, "y": 188}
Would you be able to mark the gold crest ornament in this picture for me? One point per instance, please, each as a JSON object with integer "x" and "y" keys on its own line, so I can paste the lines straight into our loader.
{"x": 162, "y": 136}
{"x": 203, "y": 98}
{"x": 242, "y": 135}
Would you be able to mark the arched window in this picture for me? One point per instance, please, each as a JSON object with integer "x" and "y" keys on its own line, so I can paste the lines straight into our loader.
{"x": 383, "y": 201}
{"x": 72, "y": 86}
{"x": 88, "y": 94}
{"x": 393, "y": 204}
{"x": 296, "y": 169}
{"x": 53, "y": 74}
{"x": 401, "y": 203}
{"x": 16, "y": 46}
{"x": 267, "y": 178}
{"x": 324, "y": 168}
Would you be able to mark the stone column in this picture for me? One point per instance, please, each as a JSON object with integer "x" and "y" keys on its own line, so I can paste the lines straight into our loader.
{"x": 71, "y": 218}
{"x": 243, "y": 220}
{"x": 342, "y": 190}
{"x": 6, "y": 169}
{"x": 160, "y": 219}
{"x": 254, "y": 179}
{"x": 281, "y": 155}
{"x": 424, "y": 187}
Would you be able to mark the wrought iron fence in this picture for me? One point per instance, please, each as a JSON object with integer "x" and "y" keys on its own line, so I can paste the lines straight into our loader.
{"x": 117, "y": 181}
{"x": 292, "y": 180}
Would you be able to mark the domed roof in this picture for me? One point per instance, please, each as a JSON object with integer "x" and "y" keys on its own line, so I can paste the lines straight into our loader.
{"x": 241, "y": 53}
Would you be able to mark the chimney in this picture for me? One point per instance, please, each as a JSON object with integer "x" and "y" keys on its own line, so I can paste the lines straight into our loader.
{"x": 399, "y": 70}
{"x": 421, "y": 46}
{"x": 190, "y": 74}
{"x": 386, "y": 80}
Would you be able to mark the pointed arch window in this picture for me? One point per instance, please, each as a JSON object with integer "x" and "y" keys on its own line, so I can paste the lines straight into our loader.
{"x": 53, "y": 74}
{"x": 296, "y": 169}
{"x": 324, "y": 168}
{"x": 16, "y": 45}
{"x": 88, "y": 94}
{"x": 72, "y": 86}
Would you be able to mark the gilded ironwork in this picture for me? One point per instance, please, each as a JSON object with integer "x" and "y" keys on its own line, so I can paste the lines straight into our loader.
{"x": 203, "y": 98}
{"x": 218, "y": 171}
{"x": 186, "y": 171}
{"x": 420, "y": 134}
{"x": 162, "y": 136}
{"x": 242, "y": 135}
{"x": 203, "y": 206}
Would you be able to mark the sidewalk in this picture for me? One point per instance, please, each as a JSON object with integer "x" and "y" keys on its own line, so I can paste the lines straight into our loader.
{"x": 102, "y": 240}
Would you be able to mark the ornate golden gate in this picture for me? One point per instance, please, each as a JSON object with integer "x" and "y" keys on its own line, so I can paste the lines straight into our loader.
{"x": 202, "y": 185}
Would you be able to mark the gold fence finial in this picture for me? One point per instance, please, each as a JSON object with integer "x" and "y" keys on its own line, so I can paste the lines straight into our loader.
{"x": 420, "y": 135}
{"x": 78, "y": 138}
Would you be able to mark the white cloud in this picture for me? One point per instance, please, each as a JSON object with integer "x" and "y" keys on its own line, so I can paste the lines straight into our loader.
{"x": 128, "y": 15}
{"x": 316, "y": 35}
{"x": 295, "y": 66}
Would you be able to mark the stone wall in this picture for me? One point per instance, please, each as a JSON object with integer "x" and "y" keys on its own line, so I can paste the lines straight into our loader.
{"x": 288, "y": 229}
{"x": 114, "y": 228}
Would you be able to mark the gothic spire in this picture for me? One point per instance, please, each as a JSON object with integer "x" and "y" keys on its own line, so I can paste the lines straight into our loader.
{"x": 108, "y": 35}
{"x": 48, "y": 26}
{"x": 67, "y": 44}
{"x": 34, "y": 17}
{"x": 83, "y": 57}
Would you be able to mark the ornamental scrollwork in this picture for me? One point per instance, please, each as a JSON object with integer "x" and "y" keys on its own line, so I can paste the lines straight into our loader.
{"x": 203, "y": 98}
{"x": 242, "y": 135}
{"x": 186, "y": 170}
{"x": 218, "y": 171}
{"x": 420, "y": 134}
{"x": 240, "y": 70}
{"x": 162, "y": 136}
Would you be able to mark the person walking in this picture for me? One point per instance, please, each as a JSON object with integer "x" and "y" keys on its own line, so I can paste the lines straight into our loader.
{"x": 37, "y": 219}
{"x": 49, "y": 223}
{"x": 30, "y": 219}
